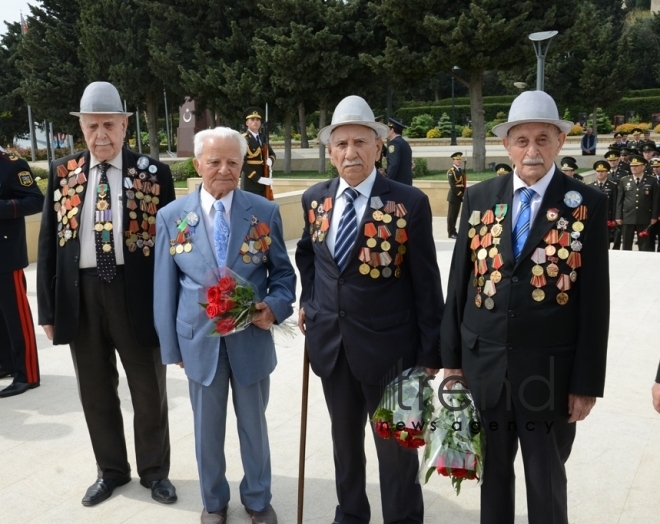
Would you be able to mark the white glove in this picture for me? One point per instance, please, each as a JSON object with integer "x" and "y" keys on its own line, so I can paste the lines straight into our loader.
{"x": 265, "y": 181}
{"x": 269, "y": 161}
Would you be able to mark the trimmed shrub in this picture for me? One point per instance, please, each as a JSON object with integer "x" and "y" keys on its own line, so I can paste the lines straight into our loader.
{"x": 183, "y": 170}
{"x": 421, "y": 168}
{"x": 467, "y": 132}
{"x": 420, "y": 125}
{"x": 434, "y": 132}
{"x": 576, "y": 130}
{"x": 628, "y": 127}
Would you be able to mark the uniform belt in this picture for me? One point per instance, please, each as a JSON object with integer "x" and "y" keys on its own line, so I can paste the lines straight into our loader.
{"x": 254, "y": 162}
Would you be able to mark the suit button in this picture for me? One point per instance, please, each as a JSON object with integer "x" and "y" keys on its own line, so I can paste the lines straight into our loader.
{"x": 509, "y": 346}
{"x": 511, "y": 313}
{"x": 342, "y": 313}
{"x": 514, "y": 279}
{"x": 75, "y": 283}
{"x": 75, "y": 259}
{"x": 341, "y": 281}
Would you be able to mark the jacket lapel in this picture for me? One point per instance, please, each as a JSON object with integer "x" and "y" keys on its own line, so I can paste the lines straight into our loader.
{"x": 240, "y": 220}
{"x": 201, "y": 237}
{"x": 329, "y": 192}
{"x": 505, "y": 196}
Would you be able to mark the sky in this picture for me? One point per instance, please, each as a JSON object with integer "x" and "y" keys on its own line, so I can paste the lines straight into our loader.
{"x": 10, "y": 10}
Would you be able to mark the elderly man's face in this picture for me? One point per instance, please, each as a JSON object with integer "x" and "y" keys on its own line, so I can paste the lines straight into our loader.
{"x": 219, "y": 165}
{"x": 353, "y": 151}
{"x": 253, "y": 124}
{"x": 104, "y": 134}
{"x": 532, "y": 148}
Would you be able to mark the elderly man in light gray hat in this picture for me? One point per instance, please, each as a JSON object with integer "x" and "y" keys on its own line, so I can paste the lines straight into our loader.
{"x": 526, "y": 323}
{"x": 371, "y": 306}
{"x": 95, "y": 290}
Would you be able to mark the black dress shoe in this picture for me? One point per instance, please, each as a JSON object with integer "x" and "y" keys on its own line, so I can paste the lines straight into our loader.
{"x": 161, "y": 490}
{"x": 16, "y": 388}
{"x": 101, "y": 490}
{"x": 454, "y": 236}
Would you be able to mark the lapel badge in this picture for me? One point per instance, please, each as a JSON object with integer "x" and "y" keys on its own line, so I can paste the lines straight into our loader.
{"x": 572, "y": 199}
{"x": 142, "y": 163}
{"x": 552, "y": 214}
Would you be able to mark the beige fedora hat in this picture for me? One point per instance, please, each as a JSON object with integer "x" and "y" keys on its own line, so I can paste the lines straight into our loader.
{"x": 532, "y": 106}
{"x": 353, "y": 110}
{"x": 100, "y": 98}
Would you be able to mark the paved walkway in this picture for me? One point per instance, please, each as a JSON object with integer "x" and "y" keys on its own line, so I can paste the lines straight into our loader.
{"x": 46, "y": 461}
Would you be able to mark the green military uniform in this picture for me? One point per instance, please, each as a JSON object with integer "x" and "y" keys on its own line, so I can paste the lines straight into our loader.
{"x": 457, "y": 184}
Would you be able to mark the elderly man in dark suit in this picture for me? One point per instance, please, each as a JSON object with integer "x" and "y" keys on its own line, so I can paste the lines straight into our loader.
{"x": 95, "y": 290}
{"x": 527, "y": 314}
{"x": 371, "y": 300}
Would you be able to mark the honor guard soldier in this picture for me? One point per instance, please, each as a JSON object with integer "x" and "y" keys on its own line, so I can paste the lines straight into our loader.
{"x": 457, "y": 184}
{"x": 569, "y": 168}
{"x": 399, "y": 154}
{"x": 503, "y": 169}
{"x": 619, "y": 142}
{"x": 636, "y": 141}
{"x": 253, "y": 178}
{"x": 607, "y": 186}
{"x": 617, "y": 169}
{"x": 647, "y": 139}
{"x": 637, "y": 204}
{"x": 19, "y": 197}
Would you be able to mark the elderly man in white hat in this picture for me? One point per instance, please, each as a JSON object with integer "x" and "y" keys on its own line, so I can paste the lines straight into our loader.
{"x": 527, "y": 314}
{"x": 95, "y": 290}
{"x": 371, "y": 305}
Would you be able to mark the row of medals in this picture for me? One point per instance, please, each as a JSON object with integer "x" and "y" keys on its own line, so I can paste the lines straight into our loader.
{"x": 257, "y": 241}
{"x": 183, "y": 241}
{"x": 484, "y": 244}
{"x": 67, "y": 198}
{"x": 142, "y": 194}
{"x": 103, "y": 217}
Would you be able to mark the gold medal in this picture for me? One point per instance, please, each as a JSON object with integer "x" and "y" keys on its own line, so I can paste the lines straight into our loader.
{"x": 374, "y": 273}
{"x": 537, "y": 270}
{"x": 481, "y": 281}
{"x": 172, "y": 249}
{"x": 397, "y": 272}
{"x": 62, "y": 242}
{"x": 107, "y": 248}
{"x": 321, "y": 236}
{"x": 496, "y": 230}
{"x": 492, "y": 253}
{"x": 550, "y": 250}
{"x": 101, "y": 205}
{"x": 401, "y": 223}
{"x": 563, "y": 253}
{"x": 474, "y": 282}
{"x": 472, "y": 232}
{"x": 314, "y": 204}
{"x": 378, "y": 215}
{"x": 245, "y": 247}
{"x": 483, "y": 230}
{"x": 562, "y": 298}
{"x": 188, "y": 247}
{"x": 553, "y": 270}
{"x": 247, "y": 259}
{"x": 482, "y": 254}
{"x": 385, "y": 245}
{"x": 179, "y": 249}
{"x": 402, "y": 249}
{"x": 108, "y": 226}
{"x": 577, "y": 226}
{"x": 364, "y": 269}
{"x": 371, "y": 242}
{"x": 496, "y": 276}
{"x": 538, "y": 295}
{"x": 477, "y": 300}
{"x": 387, "y": 218}
{"x": 98, "y": 227}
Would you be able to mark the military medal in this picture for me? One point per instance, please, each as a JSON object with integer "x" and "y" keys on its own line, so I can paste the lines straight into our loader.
{"x": 572, "y": 199}
{"x": 474, "y": 220}
{"x": 489, "y": 291}
{"x": 564, "y": 284}
{"x": 370, "y": 231}
{"x": 552, "y": 214}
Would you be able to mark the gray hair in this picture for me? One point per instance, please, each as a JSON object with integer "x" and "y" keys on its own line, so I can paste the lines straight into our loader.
{"x": 220, "y": 133}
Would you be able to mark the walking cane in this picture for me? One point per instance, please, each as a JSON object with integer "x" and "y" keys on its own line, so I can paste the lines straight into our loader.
{"x": 303, "y": 437}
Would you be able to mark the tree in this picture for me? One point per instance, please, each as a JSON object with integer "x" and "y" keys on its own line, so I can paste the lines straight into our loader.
{"x": 13, "y": 109}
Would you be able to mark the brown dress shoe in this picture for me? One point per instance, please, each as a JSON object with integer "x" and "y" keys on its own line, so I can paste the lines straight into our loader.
{"x": 217, "y": 517}
{"x": 267, "y": 516}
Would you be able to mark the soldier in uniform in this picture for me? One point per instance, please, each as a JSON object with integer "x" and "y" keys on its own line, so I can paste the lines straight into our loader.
{"x": 655, "y": 229}
{"x": 647, "y": 139}
{"x": 619, "y": 141}
{"x": 457, "y": 184}
{"x": 637, "y": 204}
{"x": 636, "y": 141}
{"x": 607, "y": 186}
{"x": 252, "y": 177}
{"x": 647, "y": 153}
{"x": 569, "y": 168}
{"x": 399, "y": 154}
{"x": 19, "y": 197}
{"x": 617, "y": 169}
{"x": 503, "y": 169}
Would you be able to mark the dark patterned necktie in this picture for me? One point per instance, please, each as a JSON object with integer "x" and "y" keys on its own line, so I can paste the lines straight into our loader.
{"x": 347, "y": 230}
{"x": 106, "y": 263}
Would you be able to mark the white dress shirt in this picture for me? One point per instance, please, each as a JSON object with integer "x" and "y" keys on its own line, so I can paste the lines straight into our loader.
{"x": 87, "y": 216}
{"x": 207, "y": 201}
{"x": 360, "y": 204}
{"x": 539, "y": 192}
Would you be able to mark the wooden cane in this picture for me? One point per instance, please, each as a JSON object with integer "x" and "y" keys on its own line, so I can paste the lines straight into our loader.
{"x": 303, "y": 437}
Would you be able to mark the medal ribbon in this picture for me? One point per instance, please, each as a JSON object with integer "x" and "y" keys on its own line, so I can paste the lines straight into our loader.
{"x": 500, "y": 211}
{"x": 489, "y": 288}
{"x": 365, "y": 254}
{"x": 384, "y": 232}
{"x": 370, "y": 229}
{"x": 488, "y": 217}
{"x": 580, "y": 213}
{"x": 390, "y": 206}
{"x": 539, "y": 256}
{"x": 401, "y": 236}
{"x": 400, "y": 211}
{"x": 475, "y": 218}
{"x": 564, "y": 239}
{"x": 574, "y": 260}
{"x": 539, "y": 281}
{"x": 564, "y": 282}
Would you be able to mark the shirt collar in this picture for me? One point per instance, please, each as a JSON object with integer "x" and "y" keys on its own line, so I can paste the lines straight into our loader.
{"x": 207, "y": 200}
{"x": 364, "y": 187}
{"x": 114, "y": 162}
{"x": 540, "y": 187}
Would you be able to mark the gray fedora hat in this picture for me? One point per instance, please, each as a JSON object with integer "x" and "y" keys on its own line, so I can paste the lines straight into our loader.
{"x": 353, "y": 110}
{"x": 100, "y": 98}
{"x": 533, "y": 106}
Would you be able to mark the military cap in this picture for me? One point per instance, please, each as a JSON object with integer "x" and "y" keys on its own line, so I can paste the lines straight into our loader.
{"x": 253, "y": 112}
{"x": 568, "y": 159}
{"x": 647, "y": 147}
{"x": 637, "y": 160}
{"x": 457, "y": 155}
{"x": 503, "y": 169}
{"x": 601, "y": 165}
{"x": 637, "y": 131}
{"x": 655, "y": 162}
{"x": 396, "y": 126}
{"x": 625, "y": 151}
{"x": 612, "y": 154}
{"x": 633, "y": 151}
{"x": 567, "y": 165}
{"x": 647, "y": 131}
{"x": 617, "y": 135}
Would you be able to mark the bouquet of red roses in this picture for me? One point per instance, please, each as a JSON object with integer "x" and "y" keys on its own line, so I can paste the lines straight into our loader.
{"x": 405, "y": 409}
{"x": 231, "y": 304}
{"x": 455, "y": 440}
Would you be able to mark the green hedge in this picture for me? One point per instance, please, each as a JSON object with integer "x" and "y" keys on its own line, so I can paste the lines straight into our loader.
{"x": 644, "y": 107}
{"x": 462, "y": 100}
{"x": 636, "y": 93}
{"x": 462, "y": 111}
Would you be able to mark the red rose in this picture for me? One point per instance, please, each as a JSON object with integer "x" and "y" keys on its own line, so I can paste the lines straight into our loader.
{"x": 225, "y": 325}
{"x": 643, "y": 234}
{"x": 441, "y": 466}
{"x": 382, "y": 427}
{"x": 228, "y": 303}
{"x": 410, "y": 442}
{"x": 227, "y": 284}
{"x": 212, "y": 310}
{"x": 213, "y": 295}
{"x": 458, "y": 473}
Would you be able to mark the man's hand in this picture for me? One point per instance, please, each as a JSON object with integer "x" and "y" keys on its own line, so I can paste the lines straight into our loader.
{"x": 431, "y": 372}
{"x": 49, "y": 330}
{"x": 579, "y": 407}
{"x": 269, "y": 162}
{"x": 264, "y": 317}
{"x": 655, "y": 391}
{"x": 619, "y": 221}
{"x": 653, "y": 221}
{"x": 180, "y": 364}
{"x": 301, "y": 321}
{"x": 451, "y": 373}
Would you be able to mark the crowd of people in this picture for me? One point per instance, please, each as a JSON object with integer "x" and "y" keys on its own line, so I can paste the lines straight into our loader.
{"x": 122, "y": 266}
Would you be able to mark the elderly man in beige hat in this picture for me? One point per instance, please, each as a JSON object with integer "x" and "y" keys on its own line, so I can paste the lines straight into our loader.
{"x": 527, "y": 316}
{"x": 95, "y": 290}
{"x": 371, "y": 304}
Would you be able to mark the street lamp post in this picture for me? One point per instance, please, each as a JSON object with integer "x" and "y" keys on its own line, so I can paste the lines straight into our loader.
{"x": 453, "y": 112}
{"x": 538, "y": 40}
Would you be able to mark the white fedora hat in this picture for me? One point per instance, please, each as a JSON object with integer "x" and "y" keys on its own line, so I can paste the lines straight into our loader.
{"x": 532, "y": 106}
{"x": 101, "y": 98}
{"x": 353, "y": 110}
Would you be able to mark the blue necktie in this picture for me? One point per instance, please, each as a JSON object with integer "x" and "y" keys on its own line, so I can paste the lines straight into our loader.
{"x": 220, "y": 233}
{"x": 347, "y": 229}
{"x": 523, "y": 223}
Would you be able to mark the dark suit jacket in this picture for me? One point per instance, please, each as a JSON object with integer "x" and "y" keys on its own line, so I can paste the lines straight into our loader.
{"x": 379, "y": 321}
{"x": 58, "y": 288}
{"x": 637, "y": 205}
{"x": 19, "y": 197}
{"x": 456, "y": 185}
{"x": 399, "y": 160}
{"x": 611, "y": 189}
{"x": 253, "y": 168}
{"x": 522, "y": 339}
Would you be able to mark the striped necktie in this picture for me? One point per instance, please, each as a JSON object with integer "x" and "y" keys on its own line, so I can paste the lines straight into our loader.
{"x": 347, "y": 229}
{"x": 220, "y": 233}
{"x": 523, "y": 223}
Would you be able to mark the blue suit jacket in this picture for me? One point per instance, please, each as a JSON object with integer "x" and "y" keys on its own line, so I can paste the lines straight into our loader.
{"x": 181, "y": 281}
